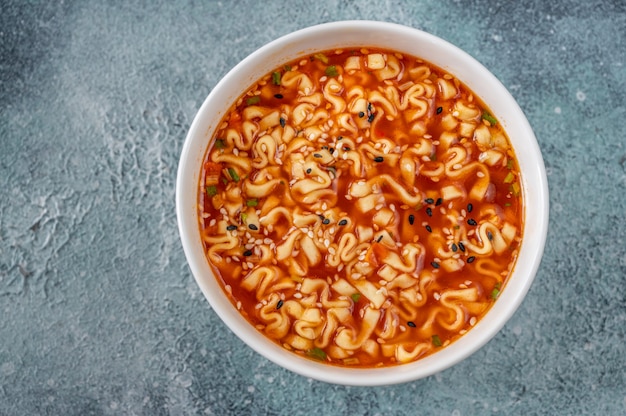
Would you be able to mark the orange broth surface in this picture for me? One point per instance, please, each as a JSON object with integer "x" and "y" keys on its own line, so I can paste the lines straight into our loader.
{"x": 361, "y": 207}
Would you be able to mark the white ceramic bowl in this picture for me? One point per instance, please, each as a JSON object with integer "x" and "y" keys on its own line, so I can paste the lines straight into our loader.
{"x": 412, "y": 42}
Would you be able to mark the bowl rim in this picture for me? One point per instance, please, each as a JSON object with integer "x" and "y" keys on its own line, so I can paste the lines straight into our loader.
{"x": 523, "y": 140}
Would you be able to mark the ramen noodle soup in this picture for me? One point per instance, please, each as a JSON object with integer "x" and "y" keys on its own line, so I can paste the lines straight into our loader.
{"x": 361, "y": 207}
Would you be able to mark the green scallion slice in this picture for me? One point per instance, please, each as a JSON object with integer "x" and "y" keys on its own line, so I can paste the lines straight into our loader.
{"x": 355, "y": 297}
{"x": 321, "y": 57}
{"x": 331, "y": 71}
{"x": 253, "y": 100}
{"x": 509, "y": 164}
{"x": 211, "y": 190}
{"x": 276, "y": 78}
{"x": 436, "y": 341}
{"x": 491, "y": 119}
{"x": 233, "y": 174}
{"x": 317, "y": 353}
{"x": 252, "y": 202}
{"x": 509, "y": 178}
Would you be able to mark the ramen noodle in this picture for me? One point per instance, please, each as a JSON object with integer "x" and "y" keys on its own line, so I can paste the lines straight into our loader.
{"x": 361, "y": 207}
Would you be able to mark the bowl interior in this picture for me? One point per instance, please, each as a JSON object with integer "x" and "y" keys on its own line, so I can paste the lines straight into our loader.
{"x": 412, "y": 42}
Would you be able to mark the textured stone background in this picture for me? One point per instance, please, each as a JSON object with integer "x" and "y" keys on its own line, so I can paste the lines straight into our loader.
{"x": 98, "y": 311}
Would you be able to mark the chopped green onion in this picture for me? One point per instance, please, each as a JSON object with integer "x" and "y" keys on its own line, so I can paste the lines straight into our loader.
{"x": 276, "y": 78}
{"x": 495, "y": 293}
{"x": 317, "y": 353}
{"x": 224, "y": 181}
{"x": 355, "y": 297}
{"x": 509, "y": 164}
{"x": 437, "y": 341}
{"x": 433, "y": 156}
{"x": 253, "y": 100}
{"x": 507, "y": 204}
{"x": 252, "y": 202}
{"x": 219, "y": 144}
{"x": 331, "y": 71}
{"x": 321, "y": 57}
{"x": 509, "y": 177}
{"x": 211, "y": 190}
{"x": 233, "y": 174}
{"x": 515, "y": 189}
{"x": 491, "y": 119}
{"x": 244, "y": 217}
{"x": 287, "y": 67}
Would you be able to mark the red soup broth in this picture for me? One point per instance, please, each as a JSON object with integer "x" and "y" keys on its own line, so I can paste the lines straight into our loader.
{"x": 361, "y": 207}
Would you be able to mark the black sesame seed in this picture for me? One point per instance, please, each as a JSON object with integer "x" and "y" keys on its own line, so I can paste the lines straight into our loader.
{"x": 434, "y": 264}
{"x": 430, "y": 230}
{"x": 454, "y": 247}
{"x": 429, "y": 201}
{"x": 411, "y": 324}
{"x": 471, "y": 221}
{"x": 470, "y": 259}
{"x": 470, "y": 207}
{"x": 361, "y": 114}
{"x": 346, "y": 149}
{"x": 331, "y": 150}
{"x": 279, "y": 96}
{"x": 489, "y": 235}
{"x": 283, "y": 122}
{"x": 411, "y": 219}
{"x": 247, "y": 253}
{"x": 378, "y": 159}
{"x": 439, "y": 110}
{"x": 325, "y": 221}
{"x": 253, "y": 227}
{"x": 317, "y": 155}
{"x": 279, "y": 304}
{"x": 369, "y": 107}
{"x": 429, "y": 212}
{"x": 439, "y": 201}
{"x": 379, "y": 239}
{"x": 309, "y": 170}
{"x": 231, "y": 227}
{"x": 339, "y": 138}
{"x": 343, "y": 222}
{"x": 462, "y": 247}
{"x": 371, "y": 117}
